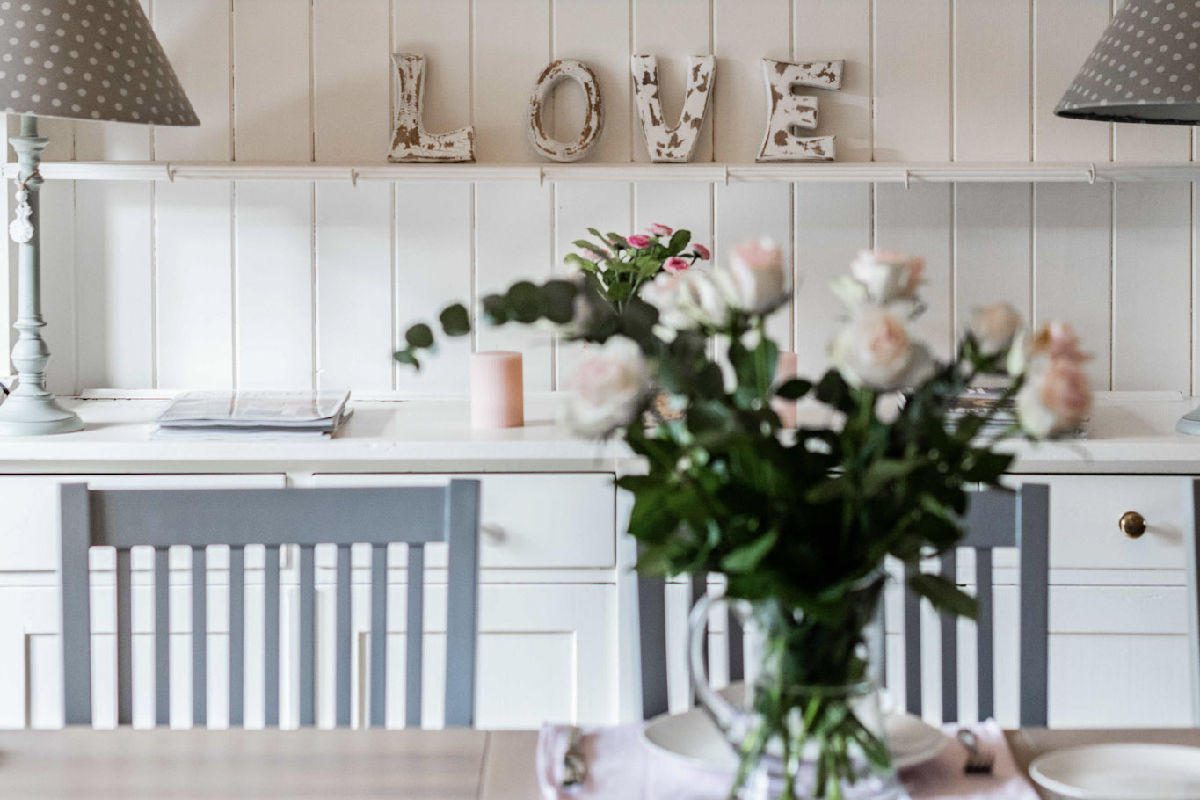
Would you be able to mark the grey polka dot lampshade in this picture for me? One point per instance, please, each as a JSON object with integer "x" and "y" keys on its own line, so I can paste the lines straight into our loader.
{"x": 1145, "y": 68}
{"x": 87, "y": 59}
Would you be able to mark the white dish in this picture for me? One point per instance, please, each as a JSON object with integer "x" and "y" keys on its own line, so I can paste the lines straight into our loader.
{"x": 693, "y": 738}
{"x": 1121, "y": 772}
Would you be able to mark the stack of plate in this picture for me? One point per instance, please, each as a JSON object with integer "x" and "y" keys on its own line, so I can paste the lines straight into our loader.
{"x": 1120, "y": 772}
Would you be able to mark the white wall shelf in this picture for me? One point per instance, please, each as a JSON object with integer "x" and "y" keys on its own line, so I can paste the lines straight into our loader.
{"x": 844, "y": 172}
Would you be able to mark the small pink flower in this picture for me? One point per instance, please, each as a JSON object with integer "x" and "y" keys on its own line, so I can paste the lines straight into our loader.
{"x": 702, "y": 252}
{"x": 639, "y": 242}
{"x": 660, "y": 230}
{"x": 676, "y": 264}
{"x": 594, "y": 255}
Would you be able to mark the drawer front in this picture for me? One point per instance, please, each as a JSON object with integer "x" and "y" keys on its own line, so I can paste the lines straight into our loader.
{"x": 563, "y": 521}
{"x": 29, "y": 537}
{"x": 1085, "y": 509}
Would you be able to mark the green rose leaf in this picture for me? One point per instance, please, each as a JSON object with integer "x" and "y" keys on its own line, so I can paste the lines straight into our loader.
{"x": 558, "y": 297}
{"x": 679, "y": 241}
{"x": 455, "y": 320}
{"x": 419, "y": 336}
{"x": 794, "y": 389}
{"x": 495, "y": 309}
{"x": 749, "y": 556}
{"x": 944, "y": 595}
{"x": 406, "y": 357}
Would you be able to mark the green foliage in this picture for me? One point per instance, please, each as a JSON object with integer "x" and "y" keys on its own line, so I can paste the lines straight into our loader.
{"x": 620, "y": 269}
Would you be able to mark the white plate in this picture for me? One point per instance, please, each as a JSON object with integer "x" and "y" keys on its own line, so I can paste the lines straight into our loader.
{"x": 1121, "y": 772}
{"x": 693, "y": 738}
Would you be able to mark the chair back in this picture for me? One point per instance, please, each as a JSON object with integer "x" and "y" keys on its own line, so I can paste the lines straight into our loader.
{"x": 652, "y": 636}
{"x": 161, "y": 519}
{"x": 995, "y": 519}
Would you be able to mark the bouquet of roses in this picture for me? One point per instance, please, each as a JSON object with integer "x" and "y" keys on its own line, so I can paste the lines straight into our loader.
{"x": 798, "y": 521}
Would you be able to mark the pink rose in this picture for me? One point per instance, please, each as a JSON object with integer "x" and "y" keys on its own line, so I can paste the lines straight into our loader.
{"x": 757, "y": 280}
{"x": 639, "y": 241}
{"x": 660, "y": 230}
{"x": 702, "y": 252}
{"x": 1055, "y": 397}
{"x": 1055, "y": 340}
{"x": 875, "y": 350}
{"x": 994, "y": 327}
{"x": 888, "y": 275}
{"x": 676, "y": 264}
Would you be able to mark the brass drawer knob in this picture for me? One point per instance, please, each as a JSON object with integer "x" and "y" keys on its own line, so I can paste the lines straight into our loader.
{"x": 1132, "y": 524}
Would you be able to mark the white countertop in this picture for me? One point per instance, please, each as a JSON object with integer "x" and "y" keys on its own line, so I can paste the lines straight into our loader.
{"x": 1128, "y": 433}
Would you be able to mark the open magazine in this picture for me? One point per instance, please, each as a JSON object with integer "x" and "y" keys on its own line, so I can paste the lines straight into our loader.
{"x": 254, "y": 414}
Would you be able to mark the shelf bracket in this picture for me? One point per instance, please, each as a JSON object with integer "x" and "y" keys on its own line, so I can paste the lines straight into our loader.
{"x": 907, "y": 179}
{"x": 354, "y": 177}
{"x": 1091, "y": 174}
{"x": 541, "y": 176}
{"x": 726, "y": 169}
{"x": 170, "y": 173}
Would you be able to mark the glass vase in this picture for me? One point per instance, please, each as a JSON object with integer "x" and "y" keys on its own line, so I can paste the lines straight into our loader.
{"x": 810, "y": 725}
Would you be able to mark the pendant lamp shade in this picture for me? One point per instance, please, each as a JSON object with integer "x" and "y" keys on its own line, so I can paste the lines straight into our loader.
{"x": 87, "y": 59}
{"x": 1145, "y": 68}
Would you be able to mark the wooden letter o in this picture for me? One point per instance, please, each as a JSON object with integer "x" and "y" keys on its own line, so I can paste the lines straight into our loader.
{"x": 566, "y": 69}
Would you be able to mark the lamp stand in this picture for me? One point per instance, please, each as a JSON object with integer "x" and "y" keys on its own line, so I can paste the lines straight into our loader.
{"x": 31, "y": 410}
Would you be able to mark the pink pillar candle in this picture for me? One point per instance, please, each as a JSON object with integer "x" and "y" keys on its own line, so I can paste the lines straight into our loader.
{"x": 497, "y": 390}
{"x": 785, "y": 370}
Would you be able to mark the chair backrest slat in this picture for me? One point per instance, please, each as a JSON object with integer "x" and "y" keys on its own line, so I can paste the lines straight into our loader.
{"x": 995, "y": 518}
{"x": 237, "y": 636}
{"x": 162, "y": 637}
{"x": 161, "y": 519}
{"x": 308, "y": 636}
{"x": 344, "y": 637}
{"x": 414, "y": 636}
{"x": 1033, "y": 542}
{"x": 652, "y": 639}
{"x": 271, "y": 636}
{"x": 76, "y": 606}
{"x": 379, "y": 598}
{"x": 124, "y": 640}
{"x": 949, "y": 624}
{"x": 461, "y": 515}
{"x": 912, "y": 645}
{"x": 984, "y": 627}
{"x": 199, "y": 636}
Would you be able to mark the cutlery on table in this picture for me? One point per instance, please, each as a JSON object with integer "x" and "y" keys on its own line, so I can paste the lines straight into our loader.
{"x": 979, "y": 761}
{"x": 574, "y": 766}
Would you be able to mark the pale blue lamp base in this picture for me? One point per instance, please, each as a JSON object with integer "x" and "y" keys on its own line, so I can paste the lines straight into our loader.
{"x": 31, "y": 410}
{"x": 35, "y": 414}
{"x": 1189, "y": 423}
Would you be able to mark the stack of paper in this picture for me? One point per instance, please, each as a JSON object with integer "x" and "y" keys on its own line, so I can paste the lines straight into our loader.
{"x": 254, "y": 415}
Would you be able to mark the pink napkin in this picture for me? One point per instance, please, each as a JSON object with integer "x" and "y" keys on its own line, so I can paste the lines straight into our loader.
{"x": 943, "y": 777}
{"x": 622, "y": 767}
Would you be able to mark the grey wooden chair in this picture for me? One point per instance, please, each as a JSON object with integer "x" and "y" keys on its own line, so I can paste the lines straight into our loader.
{"x": 272, "y": 517}
{"x": 995, "y": 519}
{"x": 652, "y": 629}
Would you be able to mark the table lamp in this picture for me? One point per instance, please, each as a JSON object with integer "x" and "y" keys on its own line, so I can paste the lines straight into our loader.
{"x": 1145, "y": 68}
{"x": 74, "y": 59}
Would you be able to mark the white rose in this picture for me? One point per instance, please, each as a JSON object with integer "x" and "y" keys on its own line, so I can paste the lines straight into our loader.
{"x": 1055, "y": 396}
{"x": 888, "y": 276}
{"x": 686, "y": 300}
{"x": 666, "y": 294}
{"x": 994, "y": 327}
{"x": 874, "y": 350}
{"x": 607, "y": 387}
{"x": 755, "y": 279}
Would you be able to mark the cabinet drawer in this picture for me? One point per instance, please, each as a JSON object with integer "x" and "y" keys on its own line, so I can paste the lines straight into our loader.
{"x": 29, "y": 539}
{"x": 1085, "y": 509}
{"x": 562, "y": 521}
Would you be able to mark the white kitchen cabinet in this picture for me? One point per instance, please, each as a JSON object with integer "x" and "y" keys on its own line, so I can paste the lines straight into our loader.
{"x": 556, "y": 610}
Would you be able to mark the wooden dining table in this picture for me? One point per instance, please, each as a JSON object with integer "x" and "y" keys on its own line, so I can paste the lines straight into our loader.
{"x": 85, "y": 764}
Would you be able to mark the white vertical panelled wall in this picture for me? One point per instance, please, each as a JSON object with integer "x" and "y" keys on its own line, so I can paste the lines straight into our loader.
{"x": 257, "y": 284}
